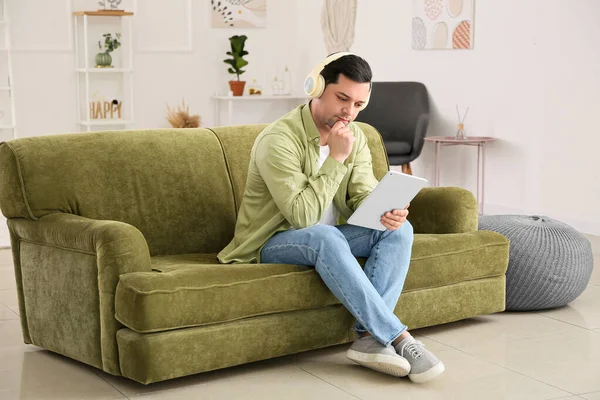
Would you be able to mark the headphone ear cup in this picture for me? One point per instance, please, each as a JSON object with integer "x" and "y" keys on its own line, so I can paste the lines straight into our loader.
{"x": 314, "y": 85}
{"x": 310, "y": 85}
{"x": 319, "y": 86}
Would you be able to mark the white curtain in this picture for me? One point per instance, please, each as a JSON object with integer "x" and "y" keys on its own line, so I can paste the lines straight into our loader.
{"x": 337, "y": 22}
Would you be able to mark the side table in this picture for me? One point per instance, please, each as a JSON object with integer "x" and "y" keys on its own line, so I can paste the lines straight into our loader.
{"x": 479, "y": 141}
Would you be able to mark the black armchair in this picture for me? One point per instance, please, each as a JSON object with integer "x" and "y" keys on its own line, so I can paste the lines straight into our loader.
{"x": 400, "y": 112}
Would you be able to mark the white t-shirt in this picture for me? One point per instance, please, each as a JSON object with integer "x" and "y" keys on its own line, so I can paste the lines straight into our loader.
{"x": 331, "y": 214}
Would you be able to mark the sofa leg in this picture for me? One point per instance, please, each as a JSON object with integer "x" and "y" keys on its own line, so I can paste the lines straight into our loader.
{"x": 406, "y": 169}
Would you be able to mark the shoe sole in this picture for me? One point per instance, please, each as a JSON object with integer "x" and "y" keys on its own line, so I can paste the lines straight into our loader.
{"x": 427, "y": 375}
{"x": 395, "y": 366}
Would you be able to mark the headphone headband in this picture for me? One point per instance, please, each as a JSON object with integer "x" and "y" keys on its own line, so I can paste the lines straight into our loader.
{"x": 329, "y": 60}
{"x": 314, "y": 84}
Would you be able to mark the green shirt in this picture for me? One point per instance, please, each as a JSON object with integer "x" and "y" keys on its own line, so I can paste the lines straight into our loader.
{"x": 286, "y": 189}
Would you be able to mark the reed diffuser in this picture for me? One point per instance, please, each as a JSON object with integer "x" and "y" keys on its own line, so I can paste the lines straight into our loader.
{"x": 460, "y": 133}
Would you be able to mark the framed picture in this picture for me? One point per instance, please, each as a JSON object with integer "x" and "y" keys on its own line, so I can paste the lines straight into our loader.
{"x": 239, "y": 13}
{"x": 442, "y": 24}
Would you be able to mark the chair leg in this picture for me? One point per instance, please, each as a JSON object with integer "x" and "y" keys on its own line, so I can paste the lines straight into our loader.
{"x": 406, "y": 169}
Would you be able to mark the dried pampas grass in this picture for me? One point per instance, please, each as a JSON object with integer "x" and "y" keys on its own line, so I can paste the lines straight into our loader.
{"x": 181, "y": 118}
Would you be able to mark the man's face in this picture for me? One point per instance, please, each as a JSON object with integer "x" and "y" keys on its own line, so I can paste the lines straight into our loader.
{"x": 340, "y": 102}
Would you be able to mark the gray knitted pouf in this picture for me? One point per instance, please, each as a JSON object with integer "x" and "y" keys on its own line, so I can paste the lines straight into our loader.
{"x": 550, "y": 263}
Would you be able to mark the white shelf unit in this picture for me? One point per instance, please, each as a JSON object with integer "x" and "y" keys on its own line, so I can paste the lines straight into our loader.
{"x": 6, "y": 50}
{"x": 292, "y": 101}
{"x": 88, "y": 71}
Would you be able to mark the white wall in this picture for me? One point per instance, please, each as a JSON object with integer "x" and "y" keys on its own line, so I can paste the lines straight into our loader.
{"x": 168, "y": 65}
{"x": 531, "y": 81}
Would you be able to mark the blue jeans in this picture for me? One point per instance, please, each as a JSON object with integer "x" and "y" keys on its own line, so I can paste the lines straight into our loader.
{"x": 370, "y": 295}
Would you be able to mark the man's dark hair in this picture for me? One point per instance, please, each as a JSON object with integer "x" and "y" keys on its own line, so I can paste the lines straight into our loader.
{"x": 353, "y": 67}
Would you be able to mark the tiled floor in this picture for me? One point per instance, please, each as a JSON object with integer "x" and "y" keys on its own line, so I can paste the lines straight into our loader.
{"x": 544, "y": 355}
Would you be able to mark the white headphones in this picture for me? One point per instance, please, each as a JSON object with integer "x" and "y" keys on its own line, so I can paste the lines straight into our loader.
{"x": 314, "y": 84}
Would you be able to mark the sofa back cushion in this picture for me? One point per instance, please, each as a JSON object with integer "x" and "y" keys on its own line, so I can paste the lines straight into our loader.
{"x": 237, "y": 142}
{"x": 381, "y": 164}
{"x": 173, "y": 185}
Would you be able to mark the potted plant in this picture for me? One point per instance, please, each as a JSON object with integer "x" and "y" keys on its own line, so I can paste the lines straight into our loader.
{"x": 103, "y": 59}
{"x": 236, "y": 63}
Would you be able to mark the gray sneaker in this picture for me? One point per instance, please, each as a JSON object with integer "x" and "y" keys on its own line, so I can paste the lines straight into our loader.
{"x": 423, "y": 364}
{"x": 368, "y": 352}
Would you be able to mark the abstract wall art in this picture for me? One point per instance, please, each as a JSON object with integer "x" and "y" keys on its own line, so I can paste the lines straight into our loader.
{"x": 239, "y": 13}
{"x": 442, "y": 24}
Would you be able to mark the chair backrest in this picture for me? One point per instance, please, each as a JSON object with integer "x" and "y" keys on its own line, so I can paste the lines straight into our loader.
{"x": 395, "y": 109}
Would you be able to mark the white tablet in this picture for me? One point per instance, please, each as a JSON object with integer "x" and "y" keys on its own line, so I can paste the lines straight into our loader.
{"x": 394, "y": 191}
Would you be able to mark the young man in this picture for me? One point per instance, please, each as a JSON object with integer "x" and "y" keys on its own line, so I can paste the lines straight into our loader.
{"x": 307, "y": 169}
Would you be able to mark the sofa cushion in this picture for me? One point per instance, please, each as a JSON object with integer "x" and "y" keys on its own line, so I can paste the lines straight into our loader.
{"x": 193, "y": 289}
{"x": 171, "y": 184}
{"x": 188, "y": 293}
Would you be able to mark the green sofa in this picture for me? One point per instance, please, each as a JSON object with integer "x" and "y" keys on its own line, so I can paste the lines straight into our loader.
{"x": 115, "y": 234}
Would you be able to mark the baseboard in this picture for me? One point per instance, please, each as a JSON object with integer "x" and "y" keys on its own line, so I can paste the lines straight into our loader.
{"x": 591, "y": 227}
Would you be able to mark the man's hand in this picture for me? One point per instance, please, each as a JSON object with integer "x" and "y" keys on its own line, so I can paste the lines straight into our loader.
{"x": 340, "y": 141}
{"x": 394, "y": 219}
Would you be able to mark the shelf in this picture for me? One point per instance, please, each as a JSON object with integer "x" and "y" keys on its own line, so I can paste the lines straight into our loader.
{"x": 104, "y": 13}
{"x": 103, "y": 70}
{"x": 259, "y": 97}
{"x": 5, "y": 88}
{"x": 231, "y": 101}
{"x": 120, "y": 74}
{"x": 7, "y": 126}
{"x": 107, "y": 122}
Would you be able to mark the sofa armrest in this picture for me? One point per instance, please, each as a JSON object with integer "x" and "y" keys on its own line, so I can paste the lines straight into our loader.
{"x": 444, "y": 210}
{"x": 67, "y": 269}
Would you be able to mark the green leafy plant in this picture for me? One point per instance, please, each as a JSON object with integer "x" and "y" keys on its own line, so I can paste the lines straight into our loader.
{"x": 110, "y": 43}
{"x": 237, "y": 53}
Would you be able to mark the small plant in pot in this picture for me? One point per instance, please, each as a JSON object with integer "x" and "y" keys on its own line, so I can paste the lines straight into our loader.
{"x": 236, "y": 63}
{"x": 104, "y": 59}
